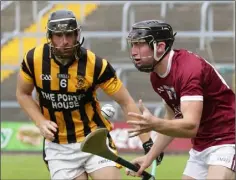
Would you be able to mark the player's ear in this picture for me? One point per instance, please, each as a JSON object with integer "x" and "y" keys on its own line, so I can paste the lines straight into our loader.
{"x": 160, "y": 47}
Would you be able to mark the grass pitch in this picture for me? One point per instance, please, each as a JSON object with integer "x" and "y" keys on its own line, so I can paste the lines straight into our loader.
{"x": 32, "y": 167}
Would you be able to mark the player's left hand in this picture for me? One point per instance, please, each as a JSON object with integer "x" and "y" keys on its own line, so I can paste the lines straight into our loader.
{"x": 143, "y": 124}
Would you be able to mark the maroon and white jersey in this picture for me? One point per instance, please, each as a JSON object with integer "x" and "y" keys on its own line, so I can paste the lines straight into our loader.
{"x": 191, "y": 78}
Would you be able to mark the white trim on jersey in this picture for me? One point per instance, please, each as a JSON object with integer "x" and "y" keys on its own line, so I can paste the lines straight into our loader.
{"x": 191, "y": 98}
{"x": 169, "y": 65}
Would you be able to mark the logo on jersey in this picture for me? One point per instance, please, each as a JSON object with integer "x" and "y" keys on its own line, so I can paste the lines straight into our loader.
{"x": 177, "y": 111}
{"x": 63, "y": 76}
{"x": 170, "y": 91}
{"x": 160, "y": 89}
{"x": 82, "y": 83}
{"x": 45, "y": 77}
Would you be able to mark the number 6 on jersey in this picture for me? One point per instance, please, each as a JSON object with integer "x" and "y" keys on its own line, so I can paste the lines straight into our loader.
{"x": 63, "y": 83}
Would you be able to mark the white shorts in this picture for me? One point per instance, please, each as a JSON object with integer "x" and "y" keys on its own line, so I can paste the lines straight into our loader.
{"x": 67, "y": 161}
{"x": 197, "y": 165}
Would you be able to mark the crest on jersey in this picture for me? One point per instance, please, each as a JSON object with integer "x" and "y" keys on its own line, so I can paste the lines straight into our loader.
{"x": 82, "y": 83}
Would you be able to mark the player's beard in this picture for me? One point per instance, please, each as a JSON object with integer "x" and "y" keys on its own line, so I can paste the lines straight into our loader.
{"x": 145, "y": 63}
{"x": 64, "y": 61}
{"x": 64, "y": 55}
{"x": 147, "y": 66}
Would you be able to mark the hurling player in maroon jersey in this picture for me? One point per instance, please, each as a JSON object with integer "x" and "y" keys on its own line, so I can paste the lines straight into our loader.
{"x": 199, "y": 104}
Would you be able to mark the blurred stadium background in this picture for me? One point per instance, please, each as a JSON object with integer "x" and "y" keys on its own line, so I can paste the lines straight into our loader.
{"x": 205, "y": 27}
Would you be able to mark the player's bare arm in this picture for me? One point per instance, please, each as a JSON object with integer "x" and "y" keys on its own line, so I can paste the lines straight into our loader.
{"x": 24, "y": 96}
{"x": 185, "y": 127}
{"x": 161, "y": 142}
{"x": 188, "y": 125}
{"x": 126, "y": 102}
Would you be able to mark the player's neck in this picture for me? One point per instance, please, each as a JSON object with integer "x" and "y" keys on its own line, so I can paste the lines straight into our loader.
{"x": 161, "y": 67}
{"x": 64, "y": 61}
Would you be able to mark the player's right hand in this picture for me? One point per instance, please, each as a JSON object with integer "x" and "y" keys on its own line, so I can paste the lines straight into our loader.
{"x": 47, "y": 129}
{"x": 142, "y": 162}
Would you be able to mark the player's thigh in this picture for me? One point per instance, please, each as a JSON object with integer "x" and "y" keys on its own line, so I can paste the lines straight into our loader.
{"x": 110, "y": 172}
{"x": 220, "y": 173}
{"x": 83, "y": 176}
{"x": 70, "y": 174}
{"x": 195, "y": 167}
{"x": 64, "y": 161}
{"x": 185, "y": 177}
{"x": 194, "y": 170}
{"x": 100, "y": 168}
{"x": 221, "y": 162}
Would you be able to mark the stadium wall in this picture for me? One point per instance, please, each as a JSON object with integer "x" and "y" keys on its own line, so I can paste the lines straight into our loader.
{"x": 25, "y": 137}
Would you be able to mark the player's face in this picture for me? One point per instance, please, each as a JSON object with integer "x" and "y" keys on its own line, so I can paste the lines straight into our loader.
{"x": 64, "y": 42}
{"x": 141, "y": 53}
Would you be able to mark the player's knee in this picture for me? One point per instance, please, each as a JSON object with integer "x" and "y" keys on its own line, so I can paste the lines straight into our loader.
{"x": 220, "y": 173}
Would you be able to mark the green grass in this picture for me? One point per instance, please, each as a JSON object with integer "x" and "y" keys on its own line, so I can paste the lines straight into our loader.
{"x": 32, "y": 167}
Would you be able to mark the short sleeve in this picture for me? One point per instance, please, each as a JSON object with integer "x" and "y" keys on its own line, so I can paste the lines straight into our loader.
{"x": 25, "y": 71}
{"x": 190, "y": 80}
{"x": 108, "y": 79}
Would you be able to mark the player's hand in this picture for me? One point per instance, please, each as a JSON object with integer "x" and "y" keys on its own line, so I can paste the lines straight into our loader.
{"x": 47, "y": 129}
{"x": 142, "y": 162}
{"x": 143, "y": 124}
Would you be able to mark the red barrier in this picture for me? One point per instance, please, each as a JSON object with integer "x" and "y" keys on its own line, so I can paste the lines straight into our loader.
{"x": 126, "y": 144}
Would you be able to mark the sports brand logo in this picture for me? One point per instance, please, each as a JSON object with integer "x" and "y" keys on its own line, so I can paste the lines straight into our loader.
{"x": 63, "y": 76}
{"x": 104, "y": 161}
{"x": 225, "y": 159}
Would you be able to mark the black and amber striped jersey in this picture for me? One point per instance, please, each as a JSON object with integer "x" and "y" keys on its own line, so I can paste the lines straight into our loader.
{"x": 67, "y": 94}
